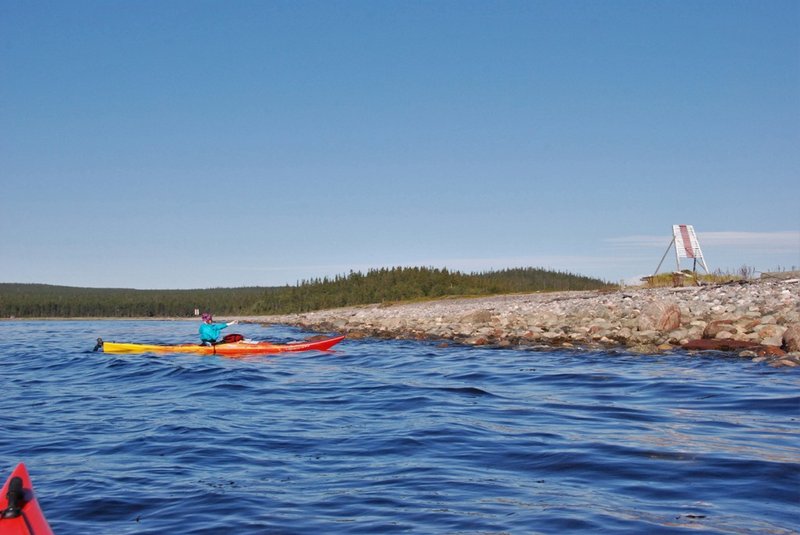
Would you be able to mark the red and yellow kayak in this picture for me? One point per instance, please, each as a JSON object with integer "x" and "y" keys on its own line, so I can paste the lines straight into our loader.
{"x": 231, "y": 349}
{"x": 20, "y": 513}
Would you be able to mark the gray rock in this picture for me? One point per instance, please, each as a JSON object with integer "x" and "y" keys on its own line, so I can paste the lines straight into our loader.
{"x": 791, "y": 338}
{"x": 647, "y": 318}
{"x": 660, "y": 316}
{"x": 477, "y": 317}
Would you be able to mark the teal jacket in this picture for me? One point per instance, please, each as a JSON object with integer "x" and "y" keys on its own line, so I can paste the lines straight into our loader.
{"x": 209, "y": 332}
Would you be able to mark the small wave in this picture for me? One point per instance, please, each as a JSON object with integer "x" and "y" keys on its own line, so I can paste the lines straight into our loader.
{"x": 394, "y": 436}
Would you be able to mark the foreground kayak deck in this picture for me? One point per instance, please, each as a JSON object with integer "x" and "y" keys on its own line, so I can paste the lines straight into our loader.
{"x": 231, "y": 349}
{"x": 20, "y": 513}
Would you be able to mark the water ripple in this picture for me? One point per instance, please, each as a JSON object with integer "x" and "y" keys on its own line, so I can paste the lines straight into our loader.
{"x": 394, "y": 436}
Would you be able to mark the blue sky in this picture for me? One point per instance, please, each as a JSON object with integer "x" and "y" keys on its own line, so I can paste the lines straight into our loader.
{"x": 193, "y": 144}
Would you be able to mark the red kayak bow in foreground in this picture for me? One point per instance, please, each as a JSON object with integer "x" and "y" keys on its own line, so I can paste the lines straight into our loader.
{"x": 20, "y": 513}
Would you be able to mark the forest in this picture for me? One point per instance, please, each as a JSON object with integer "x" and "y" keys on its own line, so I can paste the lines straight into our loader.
{"x": 355, "y": 288}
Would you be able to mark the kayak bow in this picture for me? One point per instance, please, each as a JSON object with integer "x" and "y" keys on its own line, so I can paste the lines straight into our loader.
{"x": 232, "y": 349}
{"x": 20, "y": 513}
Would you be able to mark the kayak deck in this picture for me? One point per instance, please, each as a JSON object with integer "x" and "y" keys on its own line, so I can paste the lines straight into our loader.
{"x": 232, "y": 349}
{"x": 20, "y": 513}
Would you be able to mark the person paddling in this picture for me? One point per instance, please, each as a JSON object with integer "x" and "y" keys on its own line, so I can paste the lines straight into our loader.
{"x": 209, "y": 331}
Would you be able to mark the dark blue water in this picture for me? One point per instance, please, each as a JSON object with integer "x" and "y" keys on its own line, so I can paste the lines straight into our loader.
{"x": 393, "y": 437}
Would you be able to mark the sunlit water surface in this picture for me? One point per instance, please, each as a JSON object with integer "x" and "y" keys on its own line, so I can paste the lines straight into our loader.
{"x": 393, "y": 437}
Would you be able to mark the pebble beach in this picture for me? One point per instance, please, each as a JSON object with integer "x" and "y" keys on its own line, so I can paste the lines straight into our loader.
{"x": 757, "y": 319}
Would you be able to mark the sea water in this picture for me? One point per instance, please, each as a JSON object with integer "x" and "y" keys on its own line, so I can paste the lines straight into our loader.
{"x": 384, "y": 436}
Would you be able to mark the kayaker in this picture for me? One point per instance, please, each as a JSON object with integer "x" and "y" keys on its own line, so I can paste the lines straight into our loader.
{"x": 209, "y": 331}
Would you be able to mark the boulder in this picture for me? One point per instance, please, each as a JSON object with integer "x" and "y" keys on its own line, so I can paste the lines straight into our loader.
{"x": 660, "y": 316}
{"x": 770, "y": 331}
{"x": 770, "y": 351}
{"x": 791, "y": 338}
{"x": 774, "y": 341}
{"x": 715, "y": 327}
{"x": 542, "y": 319}
{"x": 477, "y": 317}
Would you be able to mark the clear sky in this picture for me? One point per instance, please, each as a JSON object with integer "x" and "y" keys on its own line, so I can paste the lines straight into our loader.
{"x": 193, "y": 144}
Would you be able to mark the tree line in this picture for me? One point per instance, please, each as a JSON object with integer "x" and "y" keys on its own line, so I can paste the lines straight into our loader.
{"x": 355, "y": 288}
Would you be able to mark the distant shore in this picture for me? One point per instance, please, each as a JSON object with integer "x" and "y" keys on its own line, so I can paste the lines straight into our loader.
{"x": 754, "y": 319}
{"x": 757, "y": 319}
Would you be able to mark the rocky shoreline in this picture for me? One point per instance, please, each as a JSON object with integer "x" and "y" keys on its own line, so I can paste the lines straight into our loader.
{"x": 754, "y": 319}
